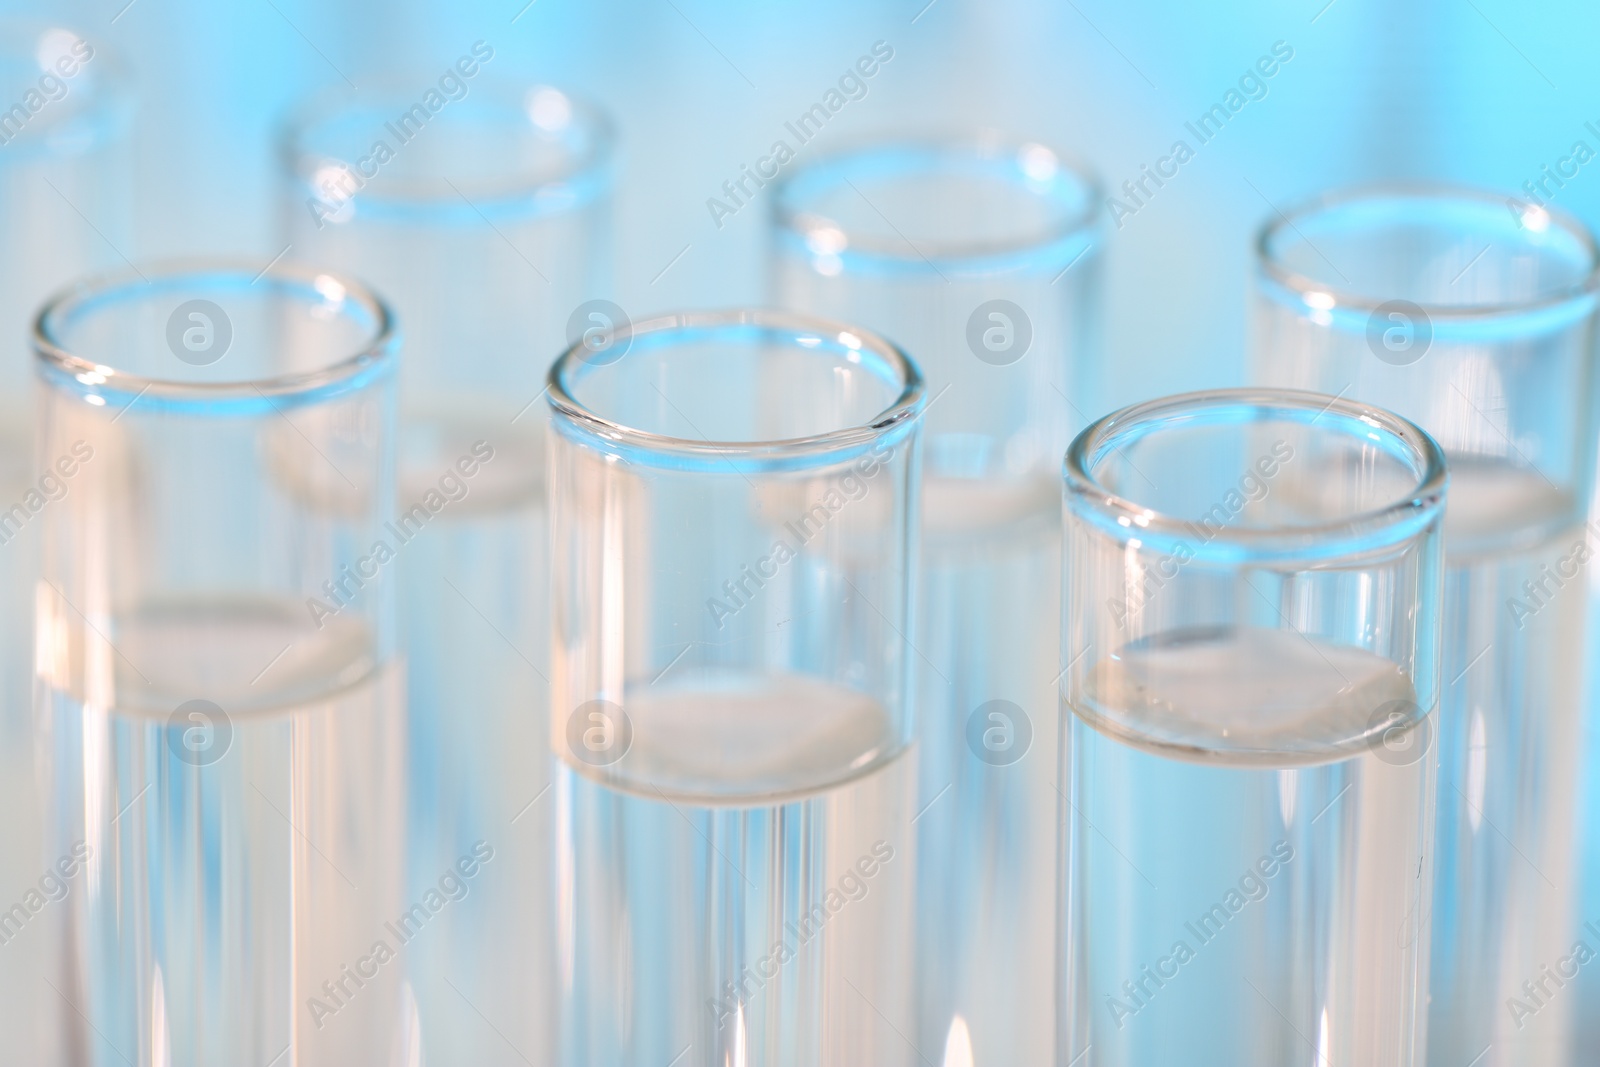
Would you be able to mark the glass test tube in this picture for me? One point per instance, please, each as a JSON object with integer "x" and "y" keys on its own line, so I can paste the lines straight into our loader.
{"x": 1476, "y": 319}
{"x": 1251, "y": 652}
{"x": 485, "y": 225}
{"x": 980, "y": 256}
{"x": 64, "y": 111}
{"x": 733, "y": 518}
{"x": 219, "y": 697}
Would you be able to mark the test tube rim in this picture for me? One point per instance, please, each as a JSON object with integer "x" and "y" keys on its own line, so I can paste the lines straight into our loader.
{"x": 1269, "y": 265}
{"x": 1071, "y": 231}
{"x": 810, "y": 450}
{"x": 111, "y": 105}
{"x": 1349, "y": 536}
{"x": 584, "y": 180}
{"x": 374, "y": 358}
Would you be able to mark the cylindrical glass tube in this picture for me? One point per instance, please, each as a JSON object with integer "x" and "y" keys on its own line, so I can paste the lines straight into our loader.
{"x": 63, "y": 192}
{"x": 733, "y": 522}
{"x": 216, "y": 679}
{"x": 1251, "y": 651}
{"x": 1476, "y": 319}
{"x": 64, "y": 110}
{"x": 980, "y": 257}
{"x": 484, "y": 222}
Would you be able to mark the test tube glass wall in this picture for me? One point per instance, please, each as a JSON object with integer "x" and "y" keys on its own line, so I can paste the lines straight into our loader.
{"x": 1252, "y": 636}
{"x": 226, "y": 744}
{"x": 1477, "y": 322}
{"x": 64, "y": 215}
{"x": 484, "y": 223}
{"x": 733, "y": 522}
{"x": 980, "y": 257}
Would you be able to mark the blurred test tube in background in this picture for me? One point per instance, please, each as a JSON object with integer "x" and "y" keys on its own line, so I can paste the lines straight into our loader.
{"x": 1251, "y": 652}
{"x": 733, "y": 515}
{"x": 226, "y": 745}
{"x": 65, "y": 110}
{"x": 1474, "y": 316}
{"x": 980, "y": 257}
{"x": 479, "y": 208}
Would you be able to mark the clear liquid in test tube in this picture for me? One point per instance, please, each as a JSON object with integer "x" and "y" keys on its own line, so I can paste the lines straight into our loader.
{"x": 1251, "y": 652}
{"x": 65, "y": 211}
{"x": 1475, "y": 318}
{"x": 980, "y": 256}
{"x": 225, "y": 751}
{"x": 733, "y": 524}
{"x": 486, "y": 227}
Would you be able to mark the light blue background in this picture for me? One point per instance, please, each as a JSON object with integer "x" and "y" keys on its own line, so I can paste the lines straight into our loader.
{"x": 1480, "y": 91}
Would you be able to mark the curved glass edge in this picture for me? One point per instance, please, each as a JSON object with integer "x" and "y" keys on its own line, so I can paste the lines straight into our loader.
{"x": 588, "y": 181}
{"x": 1362, "y": 535}
{"x": 102, "y": 385}
{"x": 1075, "y": 250}
{"x": 1329, "y": 296}
{"x": 1460, "y": 325}
{"x": 1355, "y": 545}
{"x": 275, "y": 400}
{"x": 721, "y": 460}
{"x": 1062, "y": 244}
{"x": 103, "y": 120}
{"x": 580, "y": 424}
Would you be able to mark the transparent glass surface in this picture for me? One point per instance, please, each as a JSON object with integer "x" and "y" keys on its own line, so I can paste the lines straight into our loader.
{"x": 217, "y": 691}
{"x": 482, "y": 217}
{"x": 1475, "y": 317}
{"x": 733, "y": 526}
{"x": 981, "y": 257}
{"x": 64, "y": 211}
{"x": 1250, "y": 663}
